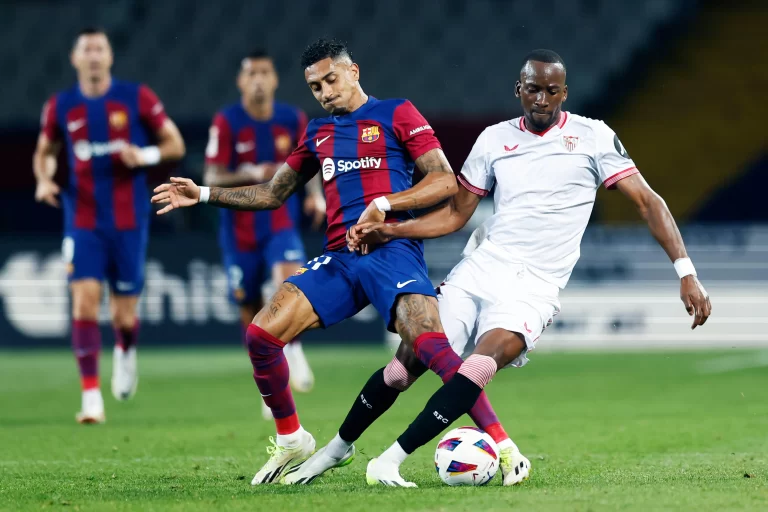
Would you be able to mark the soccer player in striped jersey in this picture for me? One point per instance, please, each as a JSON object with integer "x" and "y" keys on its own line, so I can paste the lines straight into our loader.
{"x": 248, "y": 141}
{"x": 365, "y": 151}
{"x": 112, "y": 131}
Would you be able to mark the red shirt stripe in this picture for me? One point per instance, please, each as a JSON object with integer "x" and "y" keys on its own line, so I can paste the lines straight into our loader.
{"x": 123, "y": 199}
{"x": 85, "y": 202}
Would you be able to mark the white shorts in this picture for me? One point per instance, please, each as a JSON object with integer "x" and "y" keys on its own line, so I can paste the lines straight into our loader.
{"x": 485, "y": 292}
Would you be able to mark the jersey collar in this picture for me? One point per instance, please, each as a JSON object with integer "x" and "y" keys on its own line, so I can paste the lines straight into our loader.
{"x": 560, "y": 123}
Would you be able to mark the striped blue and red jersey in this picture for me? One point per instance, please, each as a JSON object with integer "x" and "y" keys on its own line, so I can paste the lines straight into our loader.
{"x": 236, "y": 138}
{"x": 362, "y": 155}
{"x": 103, "y": 193}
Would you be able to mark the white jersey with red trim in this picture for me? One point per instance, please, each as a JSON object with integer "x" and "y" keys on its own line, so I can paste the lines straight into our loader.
{"x": 544, "y": 186}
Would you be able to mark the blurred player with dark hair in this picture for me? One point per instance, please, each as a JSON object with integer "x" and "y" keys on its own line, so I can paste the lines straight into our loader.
{"x": 248, "y": 142}
{"x": 112, "y": 130}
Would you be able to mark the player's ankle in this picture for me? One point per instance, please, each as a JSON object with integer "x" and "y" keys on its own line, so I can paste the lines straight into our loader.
{"x": 89, "y": 383}
{"x": 291, "y": 440}
{"x": 394, "y": 455}
{"x": 508, "y": 443}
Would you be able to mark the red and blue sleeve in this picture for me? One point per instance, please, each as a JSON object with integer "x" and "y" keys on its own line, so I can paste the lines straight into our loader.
{"x": 48, "y": 123}
{"x": 151, "y": 110}
{"x": 303, "y": 159}
{"x": 413, "y": 130}
{"x": 219, "y": 148}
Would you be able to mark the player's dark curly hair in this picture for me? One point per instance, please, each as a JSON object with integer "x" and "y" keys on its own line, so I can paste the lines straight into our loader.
{"x": 547, "y": 56}
{"x": 323, "y": 49}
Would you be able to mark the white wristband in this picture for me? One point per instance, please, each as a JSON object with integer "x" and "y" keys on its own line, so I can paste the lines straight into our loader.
{"x": 205, "y": 193}
{"x": 684, "y": 267}
{"x": 382, "y": 203}
{"x": 150, "y": 155}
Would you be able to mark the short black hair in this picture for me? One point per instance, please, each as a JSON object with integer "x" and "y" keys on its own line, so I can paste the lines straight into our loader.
{"x": 258, "y": 53}
{"x": 546, "y": 56}
{"x": 323, "y": 49}
{"x": 90, "y": 31}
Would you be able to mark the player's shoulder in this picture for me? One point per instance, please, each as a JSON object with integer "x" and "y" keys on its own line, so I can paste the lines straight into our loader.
{"x": 70, "y": 93}
{"x": 586, "y": 124}
{"x": 285, "y": 112}
{"x": 230, "y": 111}
{"x": 504, "y": 129}
{"x": 120, "y": 86}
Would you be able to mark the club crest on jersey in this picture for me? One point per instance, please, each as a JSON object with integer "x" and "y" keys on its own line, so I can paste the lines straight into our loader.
{"x": 370, "y": 134}
{"x": 283, "y": 143}
{"x": 570, "y": 142}
{"x": 118, "y": 120}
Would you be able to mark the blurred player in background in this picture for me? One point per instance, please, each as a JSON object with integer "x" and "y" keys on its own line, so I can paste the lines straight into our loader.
{"x": 544, "y": 168}
{"x": 109, "y": 128}
{"x": 248, "y": 142}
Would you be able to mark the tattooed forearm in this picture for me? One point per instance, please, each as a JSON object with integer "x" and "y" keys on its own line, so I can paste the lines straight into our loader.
{"x": 267, "y": 196}
{"x": 415, "y": 315}
{"x": 434, "y": 161}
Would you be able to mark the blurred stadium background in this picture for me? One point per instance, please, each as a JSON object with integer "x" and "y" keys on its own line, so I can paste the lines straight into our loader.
{"x": 682, "y": 83}
{"x": 677, "y": 79}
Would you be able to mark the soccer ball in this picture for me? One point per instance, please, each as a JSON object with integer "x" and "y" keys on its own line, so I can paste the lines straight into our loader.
{"x": 466, "y": 456}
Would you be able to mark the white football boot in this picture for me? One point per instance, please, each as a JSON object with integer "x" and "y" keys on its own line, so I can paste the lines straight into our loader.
{"x": 515, "y": 468}
{"x": 305, "y": 472}
{"x": 381, "y": 472}
{"x": 280, "y": 457}
{"x": 301, "y": 379}
{"x": 125, "y": 378}
{"x": 91, "y": 408}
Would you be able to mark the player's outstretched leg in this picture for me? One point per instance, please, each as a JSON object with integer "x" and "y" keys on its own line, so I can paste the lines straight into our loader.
{"x": 125, "y": 377}
{"x": 378, "y": 395}
{"x": 495, "y": 349}
{"x": 86, "y": 344}
{"x": 287, "y": 315}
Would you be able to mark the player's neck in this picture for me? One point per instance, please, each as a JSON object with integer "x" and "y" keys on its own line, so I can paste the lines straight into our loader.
{"x": 358, "y": 100}
{"x": 262, "y": 110}
{"x": 95, "y": 88}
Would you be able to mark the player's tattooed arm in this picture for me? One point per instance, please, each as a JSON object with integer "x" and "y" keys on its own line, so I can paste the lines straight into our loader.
{"x": 439, "y": 184}
{"x": 267, "y": 196}
{"x": 662, "y": 225}
{"x": 181, "y": 192}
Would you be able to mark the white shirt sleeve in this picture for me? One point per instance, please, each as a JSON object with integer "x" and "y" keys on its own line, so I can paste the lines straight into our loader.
{"x": 476, "y": 174}
{"x": 613, "y": 162}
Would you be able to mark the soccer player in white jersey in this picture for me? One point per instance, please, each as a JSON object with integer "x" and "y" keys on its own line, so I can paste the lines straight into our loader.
{"x": 544, "y": 170}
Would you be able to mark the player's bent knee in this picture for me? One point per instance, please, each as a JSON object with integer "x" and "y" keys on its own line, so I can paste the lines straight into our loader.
{"x": 263, "y": 348}
{"x": 502, "y": 345}
{"x": 408, "y": 358}
{"x": 86, "y": 299}
{"x": 397, "y": 376}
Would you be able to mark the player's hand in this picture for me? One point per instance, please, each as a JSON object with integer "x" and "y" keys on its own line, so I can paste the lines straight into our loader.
{"x": 370, "y": 214}
{"x": 46, "y": 192}
{"x": 314, "y": 206}
{"x": 696, "y": 300}
{"x": 368, "y": 234}
{"x": 131, "y": 156}
{"x": 178, "y": 193}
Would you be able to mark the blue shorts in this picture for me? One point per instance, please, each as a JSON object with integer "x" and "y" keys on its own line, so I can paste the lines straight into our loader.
{"x": 340, "y": 283}
{"x": 117, "y": 256}
{"x": 247, "y": 271}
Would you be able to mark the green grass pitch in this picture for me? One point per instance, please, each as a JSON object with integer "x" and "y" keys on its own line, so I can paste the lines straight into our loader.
{"x": 634, "y": 431}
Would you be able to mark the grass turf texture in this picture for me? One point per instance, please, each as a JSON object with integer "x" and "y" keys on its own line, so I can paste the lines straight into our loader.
{"x": 603, "y": 432}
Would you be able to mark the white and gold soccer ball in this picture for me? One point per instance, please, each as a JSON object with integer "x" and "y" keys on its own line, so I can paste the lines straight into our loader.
{"x": 466, "y": 456}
